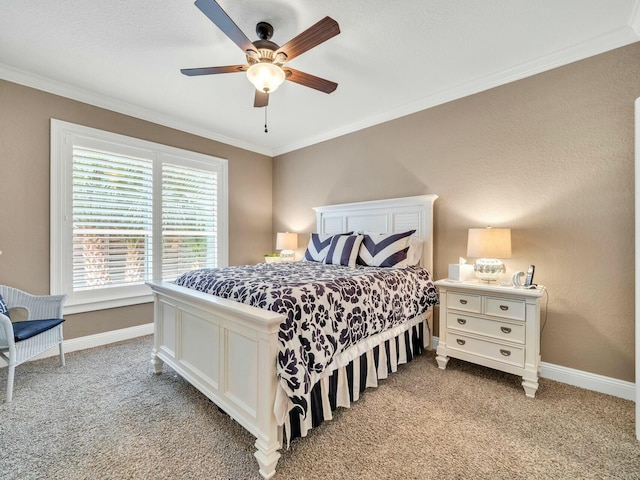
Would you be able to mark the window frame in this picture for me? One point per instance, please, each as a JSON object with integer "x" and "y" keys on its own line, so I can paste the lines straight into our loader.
{"x": 63, "y": 137}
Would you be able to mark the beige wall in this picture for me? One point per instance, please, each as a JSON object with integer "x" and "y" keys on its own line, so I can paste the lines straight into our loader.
{"x": 25, "y": 116}
{"x": 549, "y": 156}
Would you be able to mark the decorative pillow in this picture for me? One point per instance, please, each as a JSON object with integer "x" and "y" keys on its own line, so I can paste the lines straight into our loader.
{"x": 344, "y": 250}
{"x": 3, "y": 307}
{"x": 319, "y": 246}
{"x": 414, "y": 255}
{"x": 385, "y": 250}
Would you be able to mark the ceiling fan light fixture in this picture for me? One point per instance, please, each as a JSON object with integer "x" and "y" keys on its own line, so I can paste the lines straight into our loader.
{"x": 265, "y": 76}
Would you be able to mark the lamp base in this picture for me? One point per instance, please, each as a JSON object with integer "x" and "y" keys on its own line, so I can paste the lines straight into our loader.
{"x": 287, "y": 255}
{"x": 488, "y": 269}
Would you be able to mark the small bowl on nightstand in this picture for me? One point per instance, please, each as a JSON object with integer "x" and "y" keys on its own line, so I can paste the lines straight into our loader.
{"x": 272, "y": 259}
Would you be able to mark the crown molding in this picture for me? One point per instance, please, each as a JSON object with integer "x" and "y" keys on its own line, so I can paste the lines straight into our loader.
{"x": 103, "y": 101}
{"x": 595, "y": 46}
{"x": 634, "y": 21}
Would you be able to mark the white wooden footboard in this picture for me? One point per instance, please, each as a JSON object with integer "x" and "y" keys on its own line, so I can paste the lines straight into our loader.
{"x": 227, "y": 350}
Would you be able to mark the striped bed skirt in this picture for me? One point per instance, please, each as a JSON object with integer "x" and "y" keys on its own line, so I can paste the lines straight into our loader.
{"x": 357, "y": 370}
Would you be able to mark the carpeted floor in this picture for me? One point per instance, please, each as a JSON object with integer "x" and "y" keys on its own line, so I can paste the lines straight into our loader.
{"x": 106, "y": 416}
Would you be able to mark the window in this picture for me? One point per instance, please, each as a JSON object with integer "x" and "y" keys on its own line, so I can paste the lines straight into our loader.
{"x": 189, "y": 220}
{"x": 125, "y": 211}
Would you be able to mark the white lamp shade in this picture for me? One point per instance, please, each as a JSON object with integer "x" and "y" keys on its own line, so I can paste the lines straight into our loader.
{"x": 286, "y": 241}
{"x": 489, "y": 243}
{"x": 266, "y": 77}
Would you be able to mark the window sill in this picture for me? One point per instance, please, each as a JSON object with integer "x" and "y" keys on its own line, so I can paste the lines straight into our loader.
{"x": 71, "y": 308}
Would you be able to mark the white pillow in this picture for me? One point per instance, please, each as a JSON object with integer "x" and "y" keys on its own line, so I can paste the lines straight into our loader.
{"x": 414, "y": 255}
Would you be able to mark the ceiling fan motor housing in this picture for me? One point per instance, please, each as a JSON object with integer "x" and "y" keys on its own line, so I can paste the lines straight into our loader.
{"x": 264, "y": 31}
{"x": 265, "y": 47}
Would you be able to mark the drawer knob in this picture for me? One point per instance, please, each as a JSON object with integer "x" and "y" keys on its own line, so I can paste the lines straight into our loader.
{"x": 462, "y": 321}
{"x": 504, "y": 308}
{"x": 505, "y": 329}
{"x": 505, "y": 353}
{"x": 463, "y": 302}
{"x": 460, "y": 342}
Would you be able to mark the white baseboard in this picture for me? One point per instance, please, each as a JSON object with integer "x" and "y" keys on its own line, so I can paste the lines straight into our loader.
{"x": 96, "y": 340}
{"x": 589, "y": 381}
{"x": 577, "y": 378}
{"x": 586, "y": 380}
{"x": 100, "y": 339}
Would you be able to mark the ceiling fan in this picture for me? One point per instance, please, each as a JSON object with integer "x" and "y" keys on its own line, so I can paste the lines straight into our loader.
{"x": 265, "y": 69}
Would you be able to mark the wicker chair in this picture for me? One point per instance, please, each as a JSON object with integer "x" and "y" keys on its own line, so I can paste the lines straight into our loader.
{"x": 23, "y": 340}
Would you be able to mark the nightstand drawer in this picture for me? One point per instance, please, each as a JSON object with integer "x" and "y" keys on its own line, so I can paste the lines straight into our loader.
{"x": 508, "y": 354}
{"x": 511, "y": 332}
{"x": 504, "y": 307}
{"x": 464, "y": 301}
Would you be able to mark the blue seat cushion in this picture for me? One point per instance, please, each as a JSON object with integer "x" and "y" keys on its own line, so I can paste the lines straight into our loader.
{"x": 31, "y": 328}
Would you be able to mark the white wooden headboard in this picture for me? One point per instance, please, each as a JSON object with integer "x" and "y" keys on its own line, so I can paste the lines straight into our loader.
{"x": 383, "y": 216}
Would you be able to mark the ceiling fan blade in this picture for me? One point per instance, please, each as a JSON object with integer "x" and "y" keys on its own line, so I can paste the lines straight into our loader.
{"x": 312, "y": 36}
{"x": 310, "y": 81}
{"x": 219, "y": 17}
{"x": 191, "y": 72}
{"x": 261, "y": 99}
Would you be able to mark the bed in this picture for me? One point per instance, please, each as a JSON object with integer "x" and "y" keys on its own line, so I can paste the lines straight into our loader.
{"x": 230, "y": 351}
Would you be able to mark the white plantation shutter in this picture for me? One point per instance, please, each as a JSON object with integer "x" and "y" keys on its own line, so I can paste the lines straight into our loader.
{"x": 126, "y": 211}
{"x": 189, "y": 220}
{"x": 112, "y": 219}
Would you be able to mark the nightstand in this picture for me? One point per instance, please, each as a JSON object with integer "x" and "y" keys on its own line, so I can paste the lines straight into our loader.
{"x": 491, "y": 325}
{"x": 272, "y": 260}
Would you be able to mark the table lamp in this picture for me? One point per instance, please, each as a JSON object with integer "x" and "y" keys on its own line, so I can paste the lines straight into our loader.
{"x": 286, "y": 243}
{"x": 489, "y": 245}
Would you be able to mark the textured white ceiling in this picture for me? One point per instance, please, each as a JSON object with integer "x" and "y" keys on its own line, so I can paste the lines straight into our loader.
{"x": 391, "y": 58}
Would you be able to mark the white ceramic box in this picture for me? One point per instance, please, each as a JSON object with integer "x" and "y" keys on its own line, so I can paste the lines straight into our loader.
{"x": 460, "y": 272}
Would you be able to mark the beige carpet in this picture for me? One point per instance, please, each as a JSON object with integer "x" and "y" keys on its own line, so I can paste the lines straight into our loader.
{"x": 106, "y": 416}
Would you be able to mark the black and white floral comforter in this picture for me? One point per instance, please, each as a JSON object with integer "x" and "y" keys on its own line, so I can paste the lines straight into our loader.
{"x": 328, "y": 309}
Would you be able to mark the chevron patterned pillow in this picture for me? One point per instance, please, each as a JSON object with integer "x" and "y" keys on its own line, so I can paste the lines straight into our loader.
{"x": 385, "y": 250}
{"x": 319, "y": 246}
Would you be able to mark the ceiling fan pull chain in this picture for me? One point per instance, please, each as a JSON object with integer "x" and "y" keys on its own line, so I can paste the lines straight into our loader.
{"x": 266, "y": 130}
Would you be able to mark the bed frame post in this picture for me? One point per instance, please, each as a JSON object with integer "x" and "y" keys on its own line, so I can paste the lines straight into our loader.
{"x": 428, "y": 341}
{"x": 267, "y": 456}
{"x": 156, "y": 361}
{"x": 269, "y": 441}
